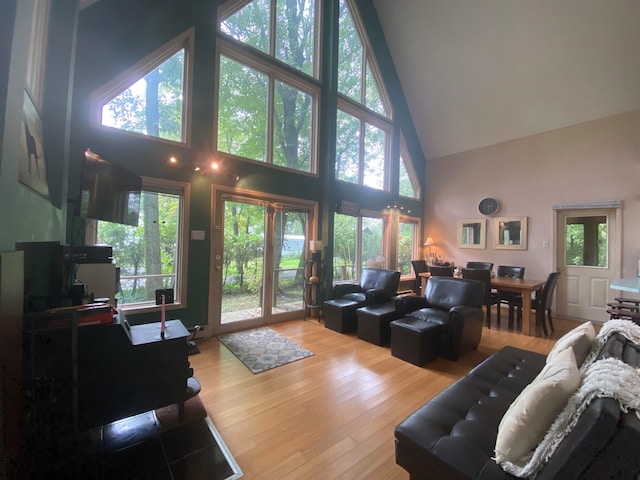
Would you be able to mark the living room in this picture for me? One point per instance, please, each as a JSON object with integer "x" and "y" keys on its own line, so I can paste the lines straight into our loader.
{"x": 560, "y": 128}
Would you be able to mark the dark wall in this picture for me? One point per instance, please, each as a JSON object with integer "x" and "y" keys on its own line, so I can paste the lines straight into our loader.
{"x": 114, "y": 35}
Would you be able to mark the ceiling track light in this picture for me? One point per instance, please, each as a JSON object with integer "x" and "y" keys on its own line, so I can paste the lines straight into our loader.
{"x": 204, "y": 168}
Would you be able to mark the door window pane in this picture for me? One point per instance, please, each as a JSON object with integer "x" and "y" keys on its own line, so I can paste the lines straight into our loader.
{"x": 289, "y": 260}
{"x": 243, "y": 262}
{"x": 586, "y": 241}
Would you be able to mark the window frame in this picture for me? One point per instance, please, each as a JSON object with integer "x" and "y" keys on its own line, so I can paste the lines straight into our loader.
{"x": 229, "y": 8}
{"x": 268, "y": 66}
{"x": 386, "y": 234}
{"x": 410, "y": 168}
{"x": 141, "y": 69}
{"x": 170, "y": 187}
{"x": 365, "y": 116}
{"x": 415, "y": 246}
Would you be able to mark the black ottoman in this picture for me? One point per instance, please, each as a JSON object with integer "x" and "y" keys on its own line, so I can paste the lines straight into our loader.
{"x": 340, "y": 315}
{"x": 414, "y": 340}
{"x": 373, "y": 322}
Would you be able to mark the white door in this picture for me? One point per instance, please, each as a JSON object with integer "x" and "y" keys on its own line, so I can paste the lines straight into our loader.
{"x": 588, "y": 246}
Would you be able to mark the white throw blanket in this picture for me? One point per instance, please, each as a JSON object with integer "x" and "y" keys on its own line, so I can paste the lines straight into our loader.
{"x": 608, "y": 377}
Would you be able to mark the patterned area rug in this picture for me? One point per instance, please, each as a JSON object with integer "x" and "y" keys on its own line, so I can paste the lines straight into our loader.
{"x": 262, "y": 349}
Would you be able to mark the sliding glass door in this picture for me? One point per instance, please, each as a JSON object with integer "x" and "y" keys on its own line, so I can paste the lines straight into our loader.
{"x": 260, "y": 246}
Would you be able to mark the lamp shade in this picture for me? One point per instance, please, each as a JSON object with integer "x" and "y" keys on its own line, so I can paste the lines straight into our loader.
{"x": 315, "y": 245}
{"x": 429, "y": 242}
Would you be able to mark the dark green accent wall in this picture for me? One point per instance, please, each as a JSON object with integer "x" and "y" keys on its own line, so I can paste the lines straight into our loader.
{"x": 114, "y": 35}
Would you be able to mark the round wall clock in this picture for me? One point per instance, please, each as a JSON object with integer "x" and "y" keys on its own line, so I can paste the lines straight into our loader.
{"x": 488, "y": 206}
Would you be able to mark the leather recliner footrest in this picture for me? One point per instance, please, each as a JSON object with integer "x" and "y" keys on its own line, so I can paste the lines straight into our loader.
{"x": 414, "y": 340}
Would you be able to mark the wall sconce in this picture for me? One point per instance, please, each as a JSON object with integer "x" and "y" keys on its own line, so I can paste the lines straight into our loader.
{"x": 429, "y": 243}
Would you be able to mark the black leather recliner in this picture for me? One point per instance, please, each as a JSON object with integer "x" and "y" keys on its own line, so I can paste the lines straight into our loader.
{"x": 455, "y": 304}
{"x": 376, "y": 286}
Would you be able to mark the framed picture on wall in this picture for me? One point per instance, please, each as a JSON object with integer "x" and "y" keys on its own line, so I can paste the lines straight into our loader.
{"x": 32, "y": 167}
{"x": 510, "y": 233}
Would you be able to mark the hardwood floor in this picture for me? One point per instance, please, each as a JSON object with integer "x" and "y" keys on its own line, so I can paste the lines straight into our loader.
{"x": 332, "y": 415}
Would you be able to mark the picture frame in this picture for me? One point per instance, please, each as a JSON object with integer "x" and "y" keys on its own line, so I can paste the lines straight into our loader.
{"x": 510, "y": 233}
{"x": 32, "y": 166}
{"x": 472, "y": 233}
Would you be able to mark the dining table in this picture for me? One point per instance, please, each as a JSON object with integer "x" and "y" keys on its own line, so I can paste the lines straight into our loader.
{"x": 523, "y": 286}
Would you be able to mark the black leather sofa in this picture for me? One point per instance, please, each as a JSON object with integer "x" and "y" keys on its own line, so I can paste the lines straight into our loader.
{"x": 453, "y": 435}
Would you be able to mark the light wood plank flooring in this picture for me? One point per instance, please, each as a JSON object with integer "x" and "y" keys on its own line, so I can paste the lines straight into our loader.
{"x": 332, "y": 415}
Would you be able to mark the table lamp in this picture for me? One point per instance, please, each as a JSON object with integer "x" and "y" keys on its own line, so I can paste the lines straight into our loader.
{"x": 429, "y": 243}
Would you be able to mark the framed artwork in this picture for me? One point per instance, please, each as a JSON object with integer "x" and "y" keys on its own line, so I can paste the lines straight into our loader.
{"x": 510, "y": 233}
{"x": 32, "y": 167}
{"x": 471, "y": 233}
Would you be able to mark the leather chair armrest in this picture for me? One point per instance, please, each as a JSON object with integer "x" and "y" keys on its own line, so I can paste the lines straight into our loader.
{"x": 465, "y": 311}
{"x": 410, "y": 303}
{"x": 379, "y": 295}
{"x": 342, "y": 289}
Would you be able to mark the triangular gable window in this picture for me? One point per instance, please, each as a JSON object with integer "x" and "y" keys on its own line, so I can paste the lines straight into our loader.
{"x": 409, "y": 184}
{"x": 357, "y": 72}
{"x": 150, "y": 98}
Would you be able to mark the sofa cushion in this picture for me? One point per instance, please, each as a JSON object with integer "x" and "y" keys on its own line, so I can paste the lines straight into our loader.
{"x": 529, "y": 417}
{"x": 580, "y": 339}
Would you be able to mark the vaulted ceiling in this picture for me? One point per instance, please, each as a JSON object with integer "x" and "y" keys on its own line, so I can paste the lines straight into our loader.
{"x": 481, "y": 72}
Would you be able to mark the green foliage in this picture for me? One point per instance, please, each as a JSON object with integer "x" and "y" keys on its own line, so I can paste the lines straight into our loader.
{"x": 129, "y": 242}
{"x": 159, "y": 94}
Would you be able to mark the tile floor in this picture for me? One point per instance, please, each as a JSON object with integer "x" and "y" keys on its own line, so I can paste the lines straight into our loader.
{"x": 138, "y": 448}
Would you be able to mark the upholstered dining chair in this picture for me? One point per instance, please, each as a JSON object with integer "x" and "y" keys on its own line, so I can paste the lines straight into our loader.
{"x": 438, "y": 271}
{"x": 419, "y": 266}
{"x": 480, "y": 265}
{"x": 484, "y": 276}
{"x": 509, "y": 298}
{"x": 542, "y": 305}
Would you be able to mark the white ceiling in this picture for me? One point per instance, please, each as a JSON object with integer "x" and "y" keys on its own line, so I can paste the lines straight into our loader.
{"x": 481, "y": 72}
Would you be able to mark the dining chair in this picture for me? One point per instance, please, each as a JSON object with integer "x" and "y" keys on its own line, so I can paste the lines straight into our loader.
{"x": 480, "y": 265}
{"x": 438, "y": 271}
{"x": 542, "y": 305}
{"x": 509, "y": 298}
{"x": 419, "y": 266}
{"x": 483, "y": 276}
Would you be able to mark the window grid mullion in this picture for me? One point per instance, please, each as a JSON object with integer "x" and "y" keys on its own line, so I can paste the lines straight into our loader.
{"x": 270, "y": 117}
{"x": 361, "y": 154}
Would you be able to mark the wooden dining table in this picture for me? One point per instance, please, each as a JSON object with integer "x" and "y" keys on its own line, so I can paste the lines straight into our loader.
{"x": 524, "y": 286}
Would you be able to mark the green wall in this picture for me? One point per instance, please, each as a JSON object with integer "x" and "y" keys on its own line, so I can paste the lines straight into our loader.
{"x": 111, "y": 37}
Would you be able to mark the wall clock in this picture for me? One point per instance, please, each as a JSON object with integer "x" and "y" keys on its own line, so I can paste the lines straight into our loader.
{"x": 488, "y": 206}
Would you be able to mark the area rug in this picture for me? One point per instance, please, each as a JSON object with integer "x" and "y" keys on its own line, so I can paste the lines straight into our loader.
{"x": 262, "y": 348}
